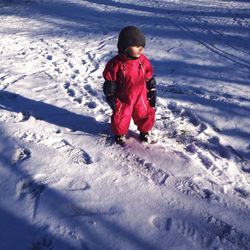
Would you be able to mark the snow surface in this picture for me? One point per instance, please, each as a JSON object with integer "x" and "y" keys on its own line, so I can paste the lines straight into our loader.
{"x": 65, "y": 185}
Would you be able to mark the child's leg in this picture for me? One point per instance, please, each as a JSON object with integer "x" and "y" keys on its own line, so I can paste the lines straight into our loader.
{"x": 120, "y": 120}
{"x": 146, "y": 123}
{"x": 143, "y": 115}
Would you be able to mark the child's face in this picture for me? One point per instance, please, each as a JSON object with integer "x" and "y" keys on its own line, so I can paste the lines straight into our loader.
{"x": 135, "y": 51}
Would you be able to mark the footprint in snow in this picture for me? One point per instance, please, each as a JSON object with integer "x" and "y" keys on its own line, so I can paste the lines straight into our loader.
{"x": 80, "y": 156}
{"x": 205, "y": 160}
{"x": 31, "y": 190}
{"x": 215, "y": 148}
{"x": 49, "y": 57}
{"x": 172, "y": 106}
{"x": 188, "y": 187}
{"x": 68, "y": 89}
{"x": 91, "y": 105}
{"x": 12, "y": 117}
{"x": 90, "y": 90}
{"x": 242, "y": 192}
{"x": 246, "y": 168}
{"x": 190, "y": 117}
{"x": 71, "y": 65}
{"x": 224, "y": 231}
{"x": 77, "y": 155}
{"x": 187, "y": 115}
{"x": 158, "y": 176}
{"x": 222, "y": 172}
{"x": 76, "y": 71}
{"x": 78, "y": 100}
{"x": 162, "y": 223}
{"x": 66, "y": 85}
{"x": 20, "y": 155}
{"x": 202, "y": 127}
{"x": 148, "y": 169}
{"x": 71, "y": 92}
{"x": 73, "y": 76}
{"x": 191, "y": 148}
{"x": 29, "y": 187}
{"x": 186, "y": 228}
{"x": 194, "y": 233}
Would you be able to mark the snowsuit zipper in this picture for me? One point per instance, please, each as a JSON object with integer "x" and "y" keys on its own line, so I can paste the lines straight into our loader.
{"x": 124, "y": 78}
{"x": 144, "y": 104}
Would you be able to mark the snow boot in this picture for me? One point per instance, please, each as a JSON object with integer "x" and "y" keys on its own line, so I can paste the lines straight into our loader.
{"x": 144, "y": 137}
{"x": 120, "y": 139}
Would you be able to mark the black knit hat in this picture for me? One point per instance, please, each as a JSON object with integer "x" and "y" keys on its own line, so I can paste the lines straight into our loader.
{"x": 130, "y": 36}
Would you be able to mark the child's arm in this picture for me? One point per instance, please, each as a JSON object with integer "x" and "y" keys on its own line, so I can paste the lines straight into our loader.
{"x": 109, "y": 89}
{"x": 151, "y": 83}
{"x": 151, "y": 86}
{"x": 110, "y": 86}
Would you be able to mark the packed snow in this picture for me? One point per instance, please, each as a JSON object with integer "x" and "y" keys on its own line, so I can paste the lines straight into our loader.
{"x": 64, "y": 184}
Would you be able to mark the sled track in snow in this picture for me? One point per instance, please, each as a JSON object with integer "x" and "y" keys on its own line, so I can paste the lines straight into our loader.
{"x": 226, "y": 38}
{"x": 214, "y": 48}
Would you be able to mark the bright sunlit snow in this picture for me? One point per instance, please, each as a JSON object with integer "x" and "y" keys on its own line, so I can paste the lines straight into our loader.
{"x": 65, "y": 185}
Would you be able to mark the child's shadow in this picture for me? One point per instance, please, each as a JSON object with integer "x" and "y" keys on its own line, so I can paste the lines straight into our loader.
{"x": 51, "y": 114}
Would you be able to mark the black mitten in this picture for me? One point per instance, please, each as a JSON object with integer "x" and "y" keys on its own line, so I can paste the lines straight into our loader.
{"x": 111, "y": 100}
{"x": 151, "y": 86}
{"x": 109, "y": 89}
{"x": 152, "y": 98}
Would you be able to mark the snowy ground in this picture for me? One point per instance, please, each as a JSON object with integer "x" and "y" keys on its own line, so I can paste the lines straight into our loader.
{"x": 64, "y": 185}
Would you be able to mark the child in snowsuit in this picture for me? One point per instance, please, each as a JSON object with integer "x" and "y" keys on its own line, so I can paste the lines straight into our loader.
{"x": 129, "y": 86}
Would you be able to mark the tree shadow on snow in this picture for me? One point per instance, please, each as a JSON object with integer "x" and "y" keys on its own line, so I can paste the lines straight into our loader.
{"x": 92, "y": 18}
{"x": 205, "y": 11}
{"x": 174, "y": 69}
{"x": 18, "y": 233}
{"x": 18, "y": 229}
{"x": 59, "y": 219}
{"x": 51, "y": 114}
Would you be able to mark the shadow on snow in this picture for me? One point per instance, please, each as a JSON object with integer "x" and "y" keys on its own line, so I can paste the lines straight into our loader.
{"x": 93, "y": 17}
{"x": 20, "y": 231}
{"x": 51, "y": 114}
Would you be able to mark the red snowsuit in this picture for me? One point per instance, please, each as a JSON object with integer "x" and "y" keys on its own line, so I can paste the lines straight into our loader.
{"x": 130, "y": 77}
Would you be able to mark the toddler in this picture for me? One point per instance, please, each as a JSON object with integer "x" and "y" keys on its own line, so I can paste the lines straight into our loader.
{"x": 130, "y": 87}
